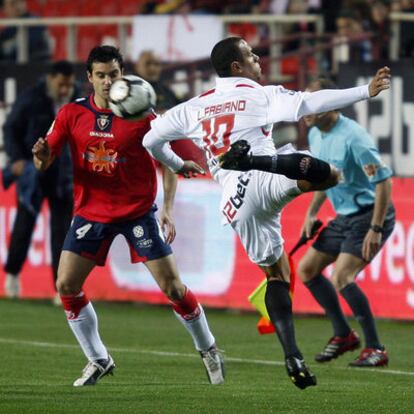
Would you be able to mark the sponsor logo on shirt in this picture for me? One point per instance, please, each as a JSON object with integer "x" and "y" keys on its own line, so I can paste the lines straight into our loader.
{"x": 371, "y": 169}
{"x": 232, "y": 206}
{"x": 101, "y": 134}
{"x": 102, "y": 159}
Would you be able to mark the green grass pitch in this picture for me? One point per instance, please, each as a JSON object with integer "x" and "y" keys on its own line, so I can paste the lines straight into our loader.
{"x": 159, "y": 372}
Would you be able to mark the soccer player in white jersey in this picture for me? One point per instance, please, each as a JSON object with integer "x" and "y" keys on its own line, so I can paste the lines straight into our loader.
{"x": 238, "y": 110}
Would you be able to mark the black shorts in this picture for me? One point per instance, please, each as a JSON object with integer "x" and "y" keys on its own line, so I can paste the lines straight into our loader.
{"x": 345, "y": 234}
{"x": 92, "y": 240}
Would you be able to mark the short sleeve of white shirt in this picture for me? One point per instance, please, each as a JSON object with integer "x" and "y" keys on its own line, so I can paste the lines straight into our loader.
{"x": 283, "y": 105}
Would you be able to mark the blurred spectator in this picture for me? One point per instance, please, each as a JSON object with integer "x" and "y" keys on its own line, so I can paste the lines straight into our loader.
{"x": 348, "y": 25}
{"x": 406, "y": 28}
{"x": 30, "y": 118}
{"x": 38, "y": 43}
{"x": 149, "y": 67}
{"x": 380, "y": 11}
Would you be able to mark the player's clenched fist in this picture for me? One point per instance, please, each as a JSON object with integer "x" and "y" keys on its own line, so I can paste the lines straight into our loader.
{"x": 380, "y": 82}
{"x": 41, "y": 150}
{"x": 42, "y": 157}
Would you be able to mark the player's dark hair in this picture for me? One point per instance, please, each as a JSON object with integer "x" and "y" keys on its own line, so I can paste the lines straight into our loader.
{"x": 61, "y": 67}
{"x": 224, "y": 53}
{"x": 324, "y": 82}
{"x": 104, "y": 54}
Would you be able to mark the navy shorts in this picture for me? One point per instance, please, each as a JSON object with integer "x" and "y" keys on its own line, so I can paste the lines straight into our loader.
{"x": 92, "y": 240}
{"x": 345, "y": 234}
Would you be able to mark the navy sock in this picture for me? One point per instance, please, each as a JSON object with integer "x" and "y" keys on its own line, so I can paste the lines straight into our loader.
{"x": 358, "y": 302}
{"x": 279, "y": 307}
{"x": 325, "y": 294}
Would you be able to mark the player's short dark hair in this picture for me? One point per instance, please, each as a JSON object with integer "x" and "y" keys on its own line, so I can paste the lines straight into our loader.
{"x": 61, "y": 67}
{"x": 104, "y": 54}
{"x": 224, "y": 53}
{"x": 324, "y": 82}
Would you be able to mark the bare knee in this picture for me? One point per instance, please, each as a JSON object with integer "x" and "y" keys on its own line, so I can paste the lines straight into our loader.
{"x": 66, "y": 286}
{"x": 306, "y": 271}
{"x": 340, "y": 280}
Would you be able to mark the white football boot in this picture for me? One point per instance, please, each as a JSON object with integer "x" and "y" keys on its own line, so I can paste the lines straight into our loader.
{"x": 94, "y": 371}
{"x": 214, "y": 364}
{"x": 12, "y": 286}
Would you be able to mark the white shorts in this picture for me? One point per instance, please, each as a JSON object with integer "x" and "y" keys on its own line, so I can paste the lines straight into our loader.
{"x": 252, "y": 203}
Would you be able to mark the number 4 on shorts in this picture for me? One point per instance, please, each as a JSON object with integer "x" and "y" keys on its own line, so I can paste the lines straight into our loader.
{"x": 81, "y": 231}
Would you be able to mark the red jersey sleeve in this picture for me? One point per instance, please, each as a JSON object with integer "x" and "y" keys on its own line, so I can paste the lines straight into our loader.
{"x": 57, "y": 134}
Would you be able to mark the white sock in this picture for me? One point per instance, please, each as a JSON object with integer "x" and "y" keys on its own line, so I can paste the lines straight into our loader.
{"x": 85, "y": 328}
{"x": 199, "y": 330}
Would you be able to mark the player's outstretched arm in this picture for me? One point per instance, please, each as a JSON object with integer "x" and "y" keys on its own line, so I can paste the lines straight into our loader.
{"x": 332, "y": 99}
{"x": 42, "y": 156}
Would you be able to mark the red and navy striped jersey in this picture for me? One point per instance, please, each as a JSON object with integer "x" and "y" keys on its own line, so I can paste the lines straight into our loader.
{"x": 114, "y": 176}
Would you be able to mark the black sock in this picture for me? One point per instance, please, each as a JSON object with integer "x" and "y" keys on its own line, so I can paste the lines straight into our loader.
{"x": 296, "y": 166}
{"x": 279, "y": 307}
{"x": 325, "y": 294}
{"x": 358, "y": 302}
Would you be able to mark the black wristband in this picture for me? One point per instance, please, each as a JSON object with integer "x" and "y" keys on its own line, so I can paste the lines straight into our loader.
{"x": 376, "y": 228}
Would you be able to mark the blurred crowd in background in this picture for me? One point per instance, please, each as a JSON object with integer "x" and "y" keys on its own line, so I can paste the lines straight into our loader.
{"x": 341, "y": 17}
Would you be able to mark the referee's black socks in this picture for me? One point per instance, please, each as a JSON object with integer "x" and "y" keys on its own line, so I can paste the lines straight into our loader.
{"x": 279, "y": 307}
{"x": 359, "y": 304}
{"x": 324, "y": 292}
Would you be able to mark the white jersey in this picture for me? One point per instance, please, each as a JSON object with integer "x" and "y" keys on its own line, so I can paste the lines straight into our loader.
{"x": 236, "y": 109}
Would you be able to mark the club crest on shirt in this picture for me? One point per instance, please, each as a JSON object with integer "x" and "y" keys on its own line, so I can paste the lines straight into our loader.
{"x": 103, "y": 121}
{"x": 371, "y": 169}
{"x": 138, "y": 231}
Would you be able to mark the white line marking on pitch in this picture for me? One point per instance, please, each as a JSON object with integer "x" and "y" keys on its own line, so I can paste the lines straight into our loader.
{"x": 178, "y": 354}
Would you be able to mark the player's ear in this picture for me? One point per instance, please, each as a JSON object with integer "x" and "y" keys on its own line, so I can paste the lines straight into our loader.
{"x": 236, "y": 68}
{"x": 89, "y": 75}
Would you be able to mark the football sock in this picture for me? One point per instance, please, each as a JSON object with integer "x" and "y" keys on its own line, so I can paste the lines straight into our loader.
{"x": 325, "y": 294}
{"x": 279, "y": 307}
{"x": 190, "y": 313}
{"x": 358, "y": 302}
{"x": 82, "y": 320}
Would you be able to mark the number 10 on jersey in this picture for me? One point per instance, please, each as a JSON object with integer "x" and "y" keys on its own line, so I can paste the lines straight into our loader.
{"x": 217, "y": 134}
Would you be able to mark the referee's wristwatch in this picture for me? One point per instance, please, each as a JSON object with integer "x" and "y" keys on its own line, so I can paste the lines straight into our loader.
{"x": 376, "y": 228}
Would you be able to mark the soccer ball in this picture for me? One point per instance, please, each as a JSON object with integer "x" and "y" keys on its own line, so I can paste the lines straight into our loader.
{"x": 131, "y": 97}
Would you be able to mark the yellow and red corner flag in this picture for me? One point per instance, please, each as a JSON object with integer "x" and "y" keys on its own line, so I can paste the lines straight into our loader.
{"x": 257, "y": 297}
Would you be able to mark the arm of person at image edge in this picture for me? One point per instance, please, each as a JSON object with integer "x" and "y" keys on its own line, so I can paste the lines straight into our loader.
{"x": 170, "y": 126}
{"x": 46, "y": 149}
{"x": 169, "y": 181}
{"x": 366, "y": 155}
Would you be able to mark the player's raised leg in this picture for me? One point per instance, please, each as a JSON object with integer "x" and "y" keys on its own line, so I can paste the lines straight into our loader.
{"x": 190, "y": 313}
{"x": 81, "y": 316}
